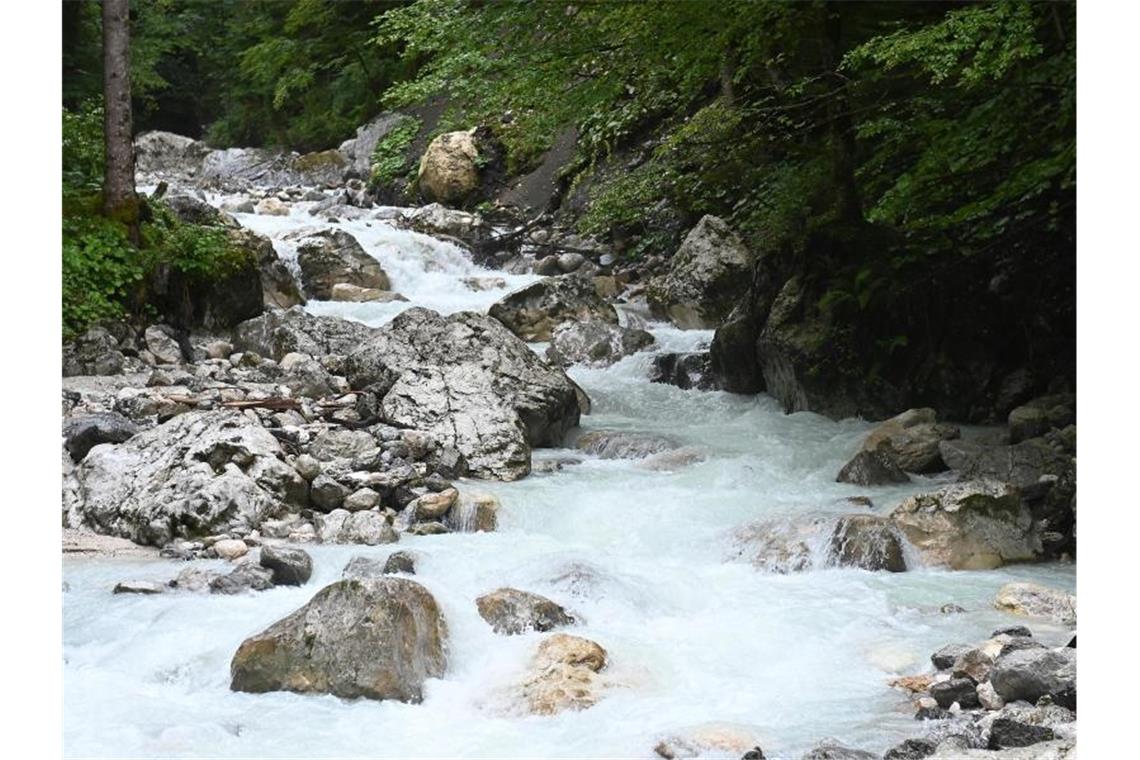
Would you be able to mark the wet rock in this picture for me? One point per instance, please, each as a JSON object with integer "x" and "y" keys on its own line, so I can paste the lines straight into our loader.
{"x": 400, "y": 562}
{"x": 277, "y": 333}
{"x": 780, "y": 546}
{"x": 686, "y": 371}
{"x": 594, "y": 343}
{"x": 84, "y": 432}
{"x": 1055, "y": 750}
{"x": 377, "y": 639}
{"x": 364, "y": 568}
{"x": 1029, "y": 674}
{"x": 960, "y": 690}
{"x": 433, "y": 528}
{"x": 708, "y": 275}
{"x": 1035, "y": 600}
{"x": 914, "y": 437}
{"x": 672, "y": 460}
{"x": 1021, "y": 465}
{"x": 449, "y": 172}
{"x": 139, "y": 587}
{"x": 200, "y": 473}
{"x": 343, "y": 527}
{"x": 563, "y": 675}
{"x": 329, "y": 257}
{"x": 872, "y": 468}
{"x": 868, "y": 542}
{"x": 289, "y": 565}
{"x": 241, "y": 579}
{"x": 715, "y": 738}
{"x": 945, "y": 657}
{"x": 623, "y": 444}
{"x": 831, "y": 750}
{"x": 431, "y": 506}
{"x": 510, "y": 611}
{"x": 470, "y": 384}
{"x": 534, "y": 311}
{"x": 969, "y": 526}
{"x": 1006, "y": 732}
{"x": 911, "y": 749}
{"x": 1012, "y": 630}
{"x": 474, "y": 512}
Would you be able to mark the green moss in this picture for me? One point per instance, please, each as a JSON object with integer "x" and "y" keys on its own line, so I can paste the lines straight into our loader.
{"x": 390, "y": 157}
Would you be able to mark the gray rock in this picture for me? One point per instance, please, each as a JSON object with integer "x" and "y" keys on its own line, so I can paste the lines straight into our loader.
{"x": 438, "y": 221}
{"x": 307, "y": 466}
{"x": 1041, "y": 415}
{"x": 969, "y": 526}
{"x": 595, "y": 343}
{"x": 364, "y": 568}
{"x": 691, "y": 370}
{"x": 470, "y": 384}
{"x": 400, "y": 562}
{"x": 1035, "y": 600}
{"x": 872, "y": 468}
{"x": 1006, "y": 732}
{"x": 289, "y": 565}
{"x": 139, "y": 587}
{"x": 623, "y": 444}
{"x": 868, "y": 542}
{"x": 329, "y": 257}
{"x": 95, "y": 352}
{"x": 570, "y": 262}
{"x": 534, "y": 311}
{"x": 913, "y": 438}
{"x": 708, "y": 276}
{"x": 200, "y": 473}
{"x": 241, "y": 579}
{"x": 510, "y": 611}
{"x": 342, "y": 444}
{"x": 360, "y": 148}
{"x": 364, "y": 498}
{"x": 945, "y": 657}
{"x": 162, "y": 345}
{"x": 1029, "y": 674}
{"x": 305, "y": 377}
{"x": 343, "y": 527}
{"x": 832, "y": 750}
{"x": 1021, "y": 465}
{"x": 84, "y": 432}
{"x": 960, "y": 690}
{"x": 377, "y": 639}
{"x": 277, "y": 333}
{"x": 168, "y": 153}
{"x": 326, "y": 494}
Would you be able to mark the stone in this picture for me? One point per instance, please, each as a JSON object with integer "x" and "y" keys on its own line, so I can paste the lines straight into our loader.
{"x": 83, "y": 432}
{"x": 911, "y": 749}
{"x": 345, "y": 291}
{"x": 168, "y": 153}
{"x": 139, "y": 587}
{"x": 532, "y": 312}
{"x": 868, "y": 542}
{"x": 434, "y": 505}
{"x": 448, "y": 171}
{"x": 872, "y": 468}
{"x": 230, "y": 548}
{"x": 960, "y": 690}
{"x": 363, "y": 498}
{"x": 343, "y": 527}
{"x": 474, "y": 512}
{"x": 95, "y": 352}
{"x": 200, "y": 473}
{"x": 440, "y": 222}
{"x": 359, "y": 150}
{"x": 162, "y": 345}
{"x": 945, "y": 657}
{"x": 376, "y": 639}
{"x": 307, "y": 466}
{"x": 1006, "y": 732}
{"x": 686, "y": 371}
{"x": 509, "y": 611}
{"x": 988, "y": 696}
{"x": 1039, "y": 416}
{"x": 595, "y": 343}
{"x": 400, "y": 562}
{"x": 623, "y": 444}
{"x": 563, "y": 675}
{"x": 708, "y": 276}
{"x": 1035, "y": 600}
{"x": 432, "y": 528}
{"x": 1012, "y": 630}
{"x": 781, "y": 546}
{"x": 1021, "y": 465}
{"x": 470, "y": 384}
{"x": 326, "y": 494}
{"x": 832, "y": 750}
{"x": 914, "y": 437}
{"x": 1029, "y": 674}
{"x": 277, "y": 333}
{"x": 271, "y": 207}
{"x": 329, "y": 257}
{"x": 969, "y": 526}
{"x": 342, "y": 444}
{"x": 242, "y": 578}
{"x": 289, "y": 565}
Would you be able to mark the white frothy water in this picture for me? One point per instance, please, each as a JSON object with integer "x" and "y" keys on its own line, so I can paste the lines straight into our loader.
{"x": 642, "y": 557}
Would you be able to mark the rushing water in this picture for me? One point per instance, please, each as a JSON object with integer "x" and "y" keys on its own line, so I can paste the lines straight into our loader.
{"x": 645, "y": 558}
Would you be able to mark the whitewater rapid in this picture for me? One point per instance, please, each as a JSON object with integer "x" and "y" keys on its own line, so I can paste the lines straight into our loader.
{"x": 644, "y": 558}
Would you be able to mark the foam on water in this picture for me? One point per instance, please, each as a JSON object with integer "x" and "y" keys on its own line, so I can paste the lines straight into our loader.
{"x": 642, "y": 557}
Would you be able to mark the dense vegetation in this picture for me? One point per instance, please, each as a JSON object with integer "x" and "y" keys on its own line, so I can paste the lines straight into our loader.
{"x": 886, "y": 153}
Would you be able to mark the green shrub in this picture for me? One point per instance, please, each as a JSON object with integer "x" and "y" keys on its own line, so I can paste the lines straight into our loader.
{"x": 390, "y": 157}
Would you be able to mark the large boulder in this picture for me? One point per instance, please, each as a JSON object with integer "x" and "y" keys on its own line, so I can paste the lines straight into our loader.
{"x": 510, "y": 611}
{"x": 969, "y": 526}
{"x": 1035, "y": 600}
{"x": 563, "y": 675}
{"x": 329, "y": 257}
{"x": 95, "y": 352}
{"x": 244, "y": 167}
{"x": 595, "y": 343}
{"x": 278, "y": 286}
{"x": 708, "y": 276}
{"x": 82, "y": 433}
{"x": 868, "y": 542}
{"x": 1029, "y": 674}
{"x": 1039, "y": 416}
{"x": 277, "y": 333}
{"x": 289, "y": 565}
{"x": 872, "y": 468}
{"x": 449, "y": 168}
{"x": 343, "y": 527}
{"x": 534, "y": 311}
{"x": 913, "y": 437}
{"x": 198, "y": 474}
{"x": 168, "y": 154}
{"x": 377, "y": 639}
{"x": 471, "y": 384}
{"x": 1022, "y": 464}
{"x": 687, "y": 370}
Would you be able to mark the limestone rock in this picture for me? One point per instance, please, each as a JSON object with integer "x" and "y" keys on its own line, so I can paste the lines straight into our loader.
{"x": 510, "y": 611}
{"x": 534, "y": 311}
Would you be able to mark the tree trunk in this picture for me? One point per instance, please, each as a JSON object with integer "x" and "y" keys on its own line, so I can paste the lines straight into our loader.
{"x": 119, "y": 199}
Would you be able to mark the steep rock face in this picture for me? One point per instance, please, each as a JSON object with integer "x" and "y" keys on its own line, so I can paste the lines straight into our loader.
{"x": 534, "y": 311}
{"x": 200, "y": 473}
{"x": 332, "y": 257}
{"x": 970, "y": 526}
{"x": 360, "y": 148}
{"x": 277, "y": 333}
{"x": 377, "y": 639}
{"x": 469, "y": 382}
{"x": 448, "y": 170}
{"x": 708, "y": 276}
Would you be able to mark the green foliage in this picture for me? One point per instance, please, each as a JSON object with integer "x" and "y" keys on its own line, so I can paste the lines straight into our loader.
{"x": 83, "y": 148}
{"x": 100, "y": 270}
{"x": 390, "y": 158}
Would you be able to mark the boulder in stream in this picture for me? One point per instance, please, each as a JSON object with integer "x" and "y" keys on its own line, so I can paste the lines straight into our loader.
{"x": 290, "y": 565}
{"x": 330, "y": 257}
{"x": 913, "y": 438}
{"x": 595, "y": 343}
{"x": 377, "y": 639}
{"x": 509, "y": 611}
{"x": 534, "y": 311}
{"x": 872, "y": 468}
{"x": 1035, "y": 600}
{"x": 563, "y": 675}
{"x": 623, "y": 444}
{"x": 868, "y": 542}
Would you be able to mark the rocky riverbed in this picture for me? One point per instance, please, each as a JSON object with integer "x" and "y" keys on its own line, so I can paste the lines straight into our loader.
{"x": 400, "y": 503}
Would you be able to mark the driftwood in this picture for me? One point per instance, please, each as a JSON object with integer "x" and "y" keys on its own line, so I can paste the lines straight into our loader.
{"x": 277, "y": 403}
